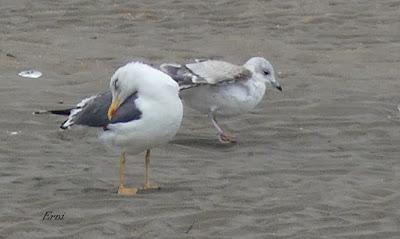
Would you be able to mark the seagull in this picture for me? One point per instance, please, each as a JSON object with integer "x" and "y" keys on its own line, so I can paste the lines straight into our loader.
{"x": 219, "y": 88}
{"x": 142, "y": 110}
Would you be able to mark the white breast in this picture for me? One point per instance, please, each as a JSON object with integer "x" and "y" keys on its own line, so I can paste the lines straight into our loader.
{"x": 231, "y": 99}
{"x": 160, "y": 121}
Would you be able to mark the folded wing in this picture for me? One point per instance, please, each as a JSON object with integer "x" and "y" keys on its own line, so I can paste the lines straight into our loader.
{"x": 211, "y": 72}
{"x": 92, "y": 111}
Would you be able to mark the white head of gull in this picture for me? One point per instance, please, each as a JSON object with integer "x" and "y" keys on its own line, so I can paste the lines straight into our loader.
{"x": 263, "y": 70}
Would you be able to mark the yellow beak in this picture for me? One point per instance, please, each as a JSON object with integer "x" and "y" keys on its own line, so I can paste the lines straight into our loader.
{"x": 113, "y": 108}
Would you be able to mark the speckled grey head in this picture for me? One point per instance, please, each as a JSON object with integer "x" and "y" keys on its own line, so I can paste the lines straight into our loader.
{"x": 264, "y": 70}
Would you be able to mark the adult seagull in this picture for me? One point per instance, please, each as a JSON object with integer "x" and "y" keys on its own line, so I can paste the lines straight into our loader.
{"x": 219, "y": 88}
{"x": 141, "y": 111}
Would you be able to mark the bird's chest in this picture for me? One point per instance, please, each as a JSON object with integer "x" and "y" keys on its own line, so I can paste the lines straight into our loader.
{"x": 239, "y": 97}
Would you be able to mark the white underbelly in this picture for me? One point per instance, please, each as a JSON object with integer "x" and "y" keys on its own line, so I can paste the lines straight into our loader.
{"x": 230, "y": 99}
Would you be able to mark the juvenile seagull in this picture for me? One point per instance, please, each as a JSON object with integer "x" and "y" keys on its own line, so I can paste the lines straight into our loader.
{"x": 219, "y": 88}
{"x": 142, "y": 110}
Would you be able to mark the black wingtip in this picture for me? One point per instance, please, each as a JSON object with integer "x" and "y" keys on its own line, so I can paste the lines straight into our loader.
{"x": 61, "y": 112}
{"x": 39, "y": 112}
{"x": 55, "y": 112}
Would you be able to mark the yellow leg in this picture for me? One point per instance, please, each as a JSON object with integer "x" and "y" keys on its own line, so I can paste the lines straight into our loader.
{"x": 147, "y": 185}
{"x": 122, "y": 190}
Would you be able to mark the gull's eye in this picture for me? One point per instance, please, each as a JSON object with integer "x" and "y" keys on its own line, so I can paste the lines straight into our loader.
{"x": 266, "y": 73}
{"x": 116, "y": 84}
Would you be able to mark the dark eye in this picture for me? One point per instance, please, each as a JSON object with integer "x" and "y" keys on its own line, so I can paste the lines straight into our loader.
{"x": 116, "y": 84}
{"x": 266, "y": 73}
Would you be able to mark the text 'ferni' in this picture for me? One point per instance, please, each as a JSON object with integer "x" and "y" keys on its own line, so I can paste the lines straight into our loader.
{"x": 50, "y": 216}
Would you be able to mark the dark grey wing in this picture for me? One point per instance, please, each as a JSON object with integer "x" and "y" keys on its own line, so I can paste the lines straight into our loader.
{"x": 93, "y": 111}
{"x": 127, "y": 111}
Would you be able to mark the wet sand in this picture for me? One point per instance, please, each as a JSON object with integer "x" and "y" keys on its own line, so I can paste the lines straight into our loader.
{"x": 320, "y": 160}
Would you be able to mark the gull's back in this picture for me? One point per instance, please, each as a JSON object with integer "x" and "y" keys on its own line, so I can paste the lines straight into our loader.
{"x": 210, "y": 72}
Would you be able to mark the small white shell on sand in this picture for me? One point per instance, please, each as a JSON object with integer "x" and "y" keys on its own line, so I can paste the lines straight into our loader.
{"x": 398, "y": 107}
{"x": 30, "y": 74}
{"x": 11, "y": 133}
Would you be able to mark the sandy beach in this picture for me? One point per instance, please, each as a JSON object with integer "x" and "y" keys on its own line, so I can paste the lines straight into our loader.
{"x": 319, "y": 160}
